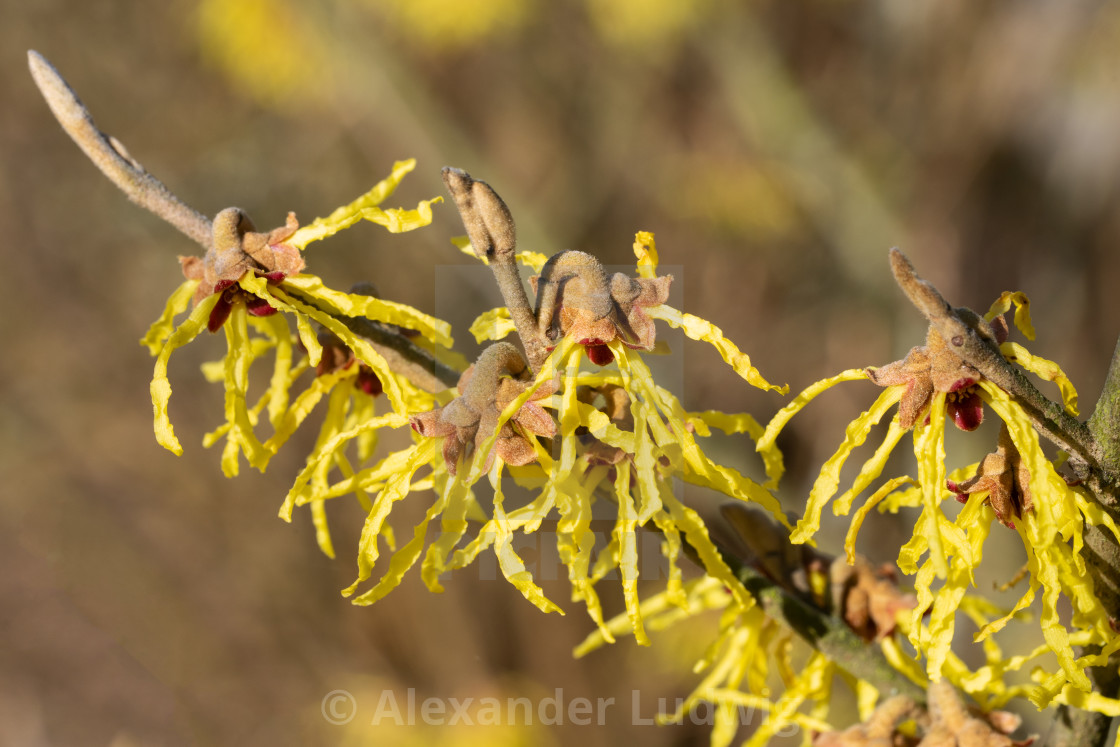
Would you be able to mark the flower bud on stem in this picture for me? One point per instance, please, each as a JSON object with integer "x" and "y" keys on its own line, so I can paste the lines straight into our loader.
{"x": 494, "y": 238}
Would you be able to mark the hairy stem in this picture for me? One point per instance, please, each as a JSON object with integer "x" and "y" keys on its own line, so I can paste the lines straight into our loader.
{"x": 109, "y": 155}
{"x": 493, "y": 236}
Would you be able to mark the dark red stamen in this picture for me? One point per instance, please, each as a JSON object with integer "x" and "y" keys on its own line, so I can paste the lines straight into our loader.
{"x": 967, "y": 411}
{"x": 368, "y": 382}
{"x": 219, "y": 314}
{"x": 597, "y": 352}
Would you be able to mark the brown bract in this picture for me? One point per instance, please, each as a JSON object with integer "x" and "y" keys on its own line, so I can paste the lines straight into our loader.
{"x": 934, "y": 367}
{"x": 868, "y": 598}
{"x": 238, "y": 248}
{"x": 1004, "y": 477}
{"x": 946, "y": 722}
{"x": 486, "y": 389}
{"x": 575, "y": 297}
{"x": 614, "y": 402}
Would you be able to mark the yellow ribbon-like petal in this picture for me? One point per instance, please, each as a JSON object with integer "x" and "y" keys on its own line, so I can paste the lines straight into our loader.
{"x": 701, "y": 329}
{"x": 1044, "y": 369}
{"x": 1022, "y": 311}
{"x": 494, "y": 324}
{"x": 390, "y": 312}
{"x": 767, "y": 442}
{"x": 348, "y": 215}
{"x": 646, "y": 252}
{"x": 161, "y": 386}
{"x": 161, "y": 328}
{"x": 829, "y": 478}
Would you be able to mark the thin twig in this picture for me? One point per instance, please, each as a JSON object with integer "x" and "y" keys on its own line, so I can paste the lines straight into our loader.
{"x": 109, "y": 155}
{"x": 494, "y": 237}
{"x": 961, "y": 330}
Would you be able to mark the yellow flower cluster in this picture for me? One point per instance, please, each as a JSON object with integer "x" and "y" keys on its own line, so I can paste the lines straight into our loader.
{"x": 629, "y": 460}
{"x": 1051, "y": 525}
{"x": 254, "y": 331}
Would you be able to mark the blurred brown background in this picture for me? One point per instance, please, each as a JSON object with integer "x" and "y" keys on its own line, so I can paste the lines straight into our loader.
{"x": 777, "y": 149}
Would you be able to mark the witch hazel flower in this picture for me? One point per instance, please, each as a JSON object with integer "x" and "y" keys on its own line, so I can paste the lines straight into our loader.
{"x": 239, "y": 285}
{"x": 936, "y": 369}
{"x": 239, "y": 249}
{"x": 576, "y": 298}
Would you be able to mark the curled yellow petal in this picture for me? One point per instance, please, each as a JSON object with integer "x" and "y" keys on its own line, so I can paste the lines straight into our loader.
{"x": 861, "y": 513}
{"x": 829, "y": 478}
{"x": 401, "y": 561}
{"x": 399, "y": 391}
{"x": 401, "y": 220}
{"x": 701, "y": 329}
{"x": 1022, "y": 311}
{"x": 1044, "y": 369}
{"x": 161, "y": 328}
{"x": 626, "y": 534}
{"x": 282, "y": 371}
{"x": 396, "y": 488}
{"x": 304, "y": 404}
{"x": 390, "y": 312}
{"x": 494, "y": 324}
{"x": 310, "y": 339}
{"x": 767, "y": 442}
{"x": 929, "y": 449}
{"x": 509, "y": 562}
{"x": 871, "y": 469}
{"x": 348, "y": 215}
{"x": 161, "y": 386}
{"x": 646, "y": 252}
{"x": 238, "y": 359}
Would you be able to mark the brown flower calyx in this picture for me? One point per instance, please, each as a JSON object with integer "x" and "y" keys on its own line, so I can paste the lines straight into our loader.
{"x": 865, "y": 597}
{"x": 1004, "y": 477}
{"x": 936, "y": 367}
{"x": 237, "y": 248}
{"x": 337, "y": 356}
{"x": 945, "y": 722}
{"x": 575, "y": 297}
{"x": 868, "y": 597}
{"x": 498, "y": 377}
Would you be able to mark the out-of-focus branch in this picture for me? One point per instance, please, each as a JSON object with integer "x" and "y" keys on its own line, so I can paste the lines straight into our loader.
{"x": 826, "y": 633}
{"x": 110, "y": 155}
